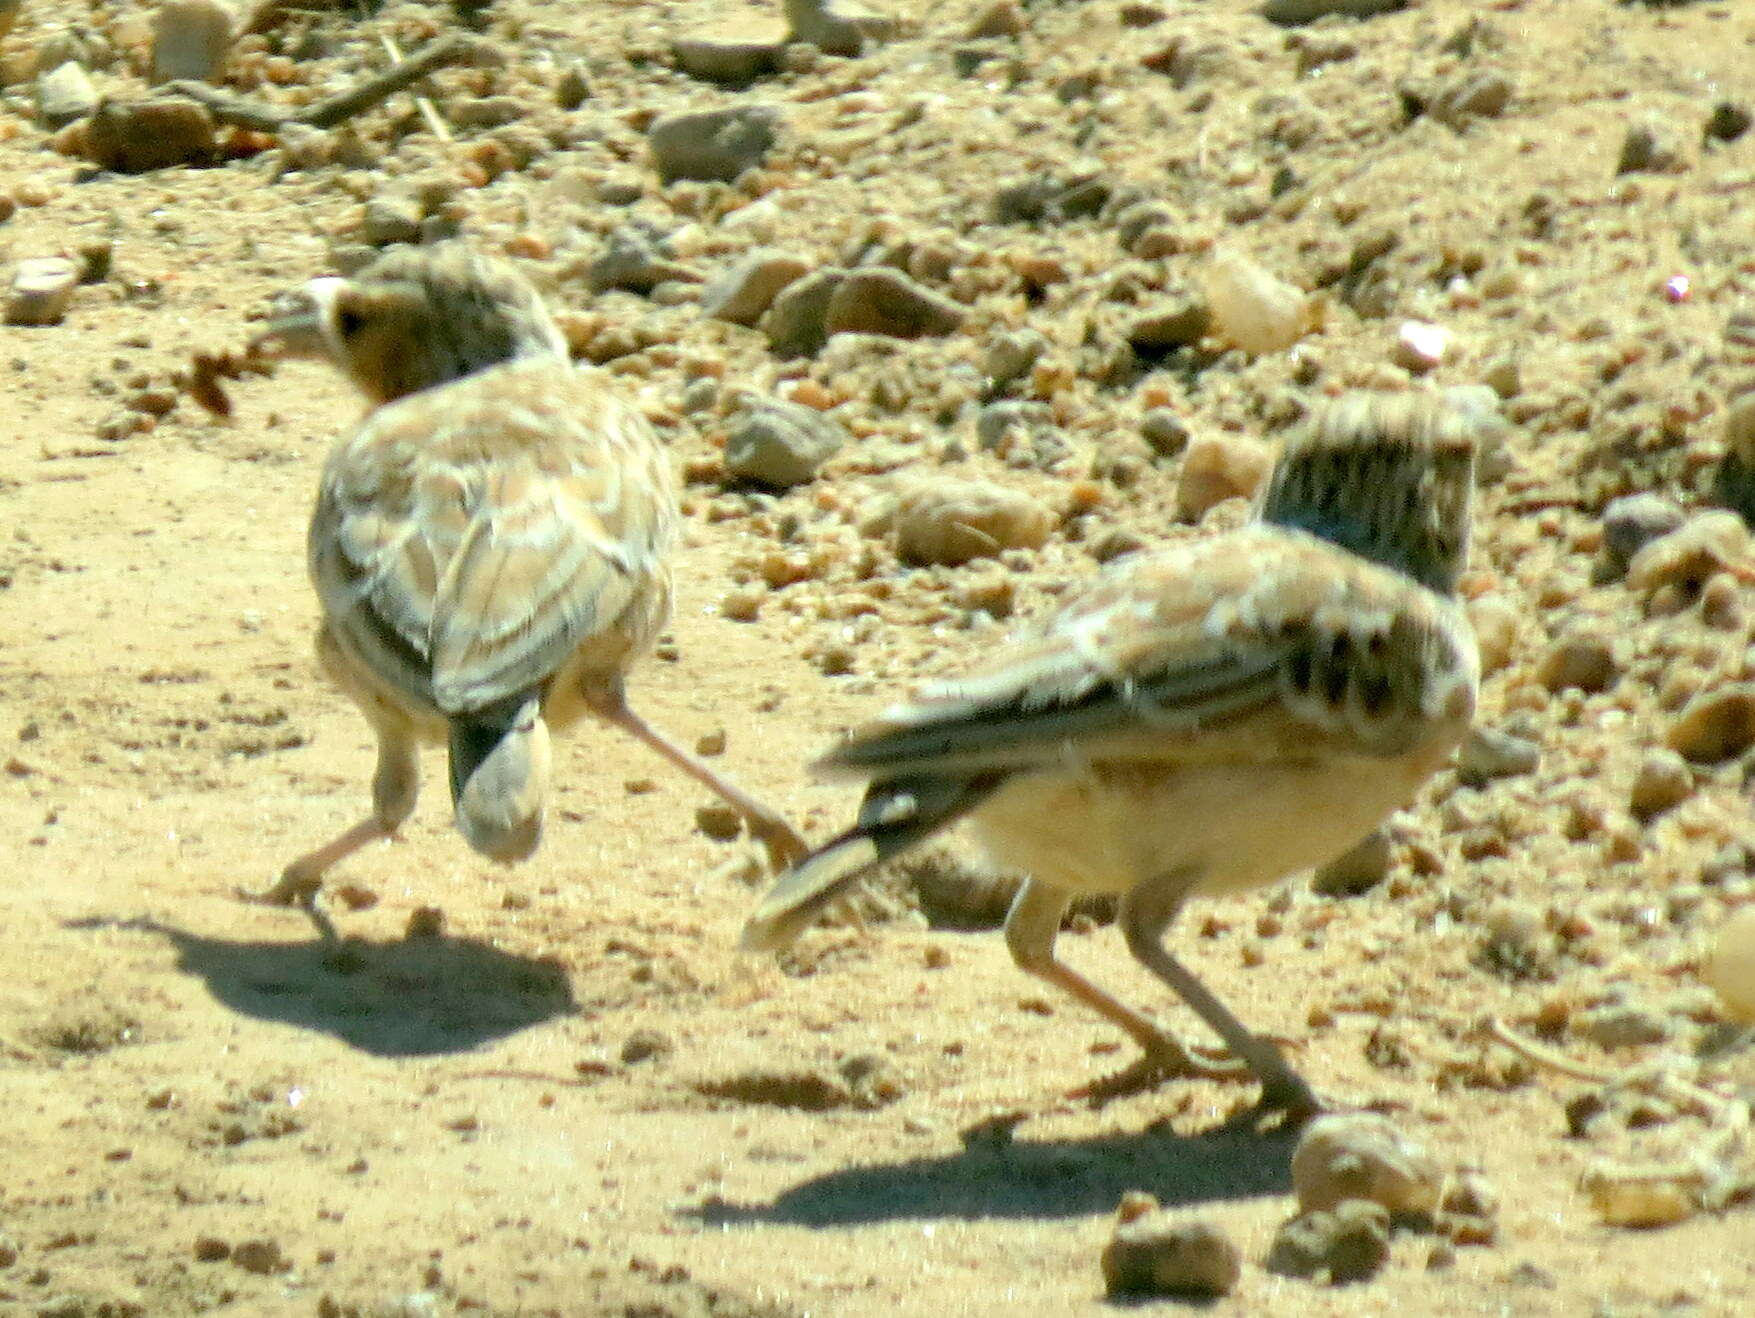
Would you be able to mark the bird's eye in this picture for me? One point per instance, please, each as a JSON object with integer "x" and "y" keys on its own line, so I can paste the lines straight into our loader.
{"x": 348, "y": 322}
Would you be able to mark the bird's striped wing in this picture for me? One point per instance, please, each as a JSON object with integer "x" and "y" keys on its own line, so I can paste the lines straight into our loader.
{"x": 1263, "y": 644}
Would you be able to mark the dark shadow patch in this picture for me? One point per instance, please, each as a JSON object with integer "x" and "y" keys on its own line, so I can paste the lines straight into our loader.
{"x": 411, "y": 997}
{"x": 1051, "y": 1178}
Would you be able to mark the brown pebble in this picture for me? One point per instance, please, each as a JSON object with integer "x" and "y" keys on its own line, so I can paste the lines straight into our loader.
{"x": 1664, "y": 781}
{"x": 262, "y": 1257}
{"x": 1219, "y": 467}
{"x": 719, "y": 822}
{"x": 1584, "y": 662}
{"x": 425, "y": 922}
{"x": 211, "y": 1249}
{"x": 1715, "y": 726}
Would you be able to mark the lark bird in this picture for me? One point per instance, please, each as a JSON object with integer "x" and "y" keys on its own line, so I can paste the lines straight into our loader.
{"x": 490, "y": 548}
{"x": 1201, "y": 721}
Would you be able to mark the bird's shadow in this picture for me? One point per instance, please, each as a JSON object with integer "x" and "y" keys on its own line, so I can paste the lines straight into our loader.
{"x": 1037, "y": 1179}
{"x": 410, "y": 997}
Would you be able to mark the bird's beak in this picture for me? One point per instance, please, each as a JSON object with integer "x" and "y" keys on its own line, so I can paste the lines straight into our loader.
{"x": 296, "y": 324}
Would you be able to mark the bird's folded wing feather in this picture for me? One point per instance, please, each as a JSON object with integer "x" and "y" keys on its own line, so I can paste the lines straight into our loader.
{"x": 1263, "y": 644}
{"x": 465, "y": 565}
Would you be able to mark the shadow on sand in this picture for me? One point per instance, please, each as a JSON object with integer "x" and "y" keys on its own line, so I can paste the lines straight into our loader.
{"x": 1051, "y": 1178}
{"x": 410, "y": 997}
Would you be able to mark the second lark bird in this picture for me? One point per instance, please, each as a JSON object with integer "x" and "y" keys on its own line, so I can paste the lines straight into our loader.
{"x": 491, "y": 546}
{"x": 1201, "y": 721}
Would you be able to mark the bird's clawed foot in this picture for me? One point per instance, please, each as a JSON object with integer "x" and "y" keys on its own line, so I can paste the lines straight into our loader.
{"x": 296, "y": 886}
{"x": 1166, "y": 1059}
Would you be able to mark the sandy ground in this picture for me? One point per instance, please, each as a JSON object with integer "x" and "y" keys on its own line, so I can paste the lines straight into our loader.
{"x": 577, "y": 1098}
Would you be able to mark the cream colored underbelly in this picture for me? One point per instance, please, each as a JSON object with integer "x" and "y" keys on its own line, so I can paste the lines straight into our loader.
{"x": 1106, "y": 829}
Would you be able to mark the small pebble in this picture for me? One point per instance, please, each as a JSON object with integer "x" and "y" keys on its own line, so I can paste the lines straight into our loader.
{"x": 208, "y": 1249}
{"x": 1715, "y": 726}
{"x": 646, "y": 1046}
{"x": 1363, "y": 1155}
{"x": 780, "y": 444}
{"x": 1358, "y": 870}
{"x": 953, "y": 522}
{"x": 1649, "y": 147}
{"x": 1252, "y": 309}
{"x": 749, "y": 288}
{"x": 1633, "y": 521}
{"x": 1706, "y": 543}
{"x": 262, "y": 1257}
{"x": 190, "y": 39}
{"x": 1730, "y": 968}
{"x": 64, "y": 94}
{"x": 1496, "y": 622}
{"x": 42, "y": 291}
{"x": 1584, "y": 662}
{"x": 1664, "y": 781}
{"x": 1621, "y": 1025}
{"x": 719, "y": 822}
{"x": 888, "y": 302}
{"x": 1220, "y": 467}
{"x": 1157, "y": 1254}
{"x": 712, "y": 145}
{"x": 1349, "y": 1243}
{"x": 1490, "y": 754}
{"x": 1420, "y": 346}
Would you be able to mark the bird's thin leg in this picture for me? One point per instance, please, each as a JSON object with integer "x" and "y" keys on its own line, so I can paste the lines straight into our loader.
{"x": 785, "y": 846}
{"x": 1031, "y": 927}
{"x": 395, "y": 785}
{"x": 1146, "y": 913}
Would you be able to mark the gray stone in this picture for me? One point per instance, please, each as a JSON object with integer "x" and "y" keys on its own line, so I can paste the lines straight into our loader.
{"x": 631, "y": 260}
{"x": 712, "y": 145}
{"x": 734, "y": 57}
{"x": 749, "y": 288}
{"x": 794, "y": 323}
{"x": 781, "y": 444}
{"x": 885, "y": 301}
{"x": 1010, "y": 356}
{"x": 390, "y": 217}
